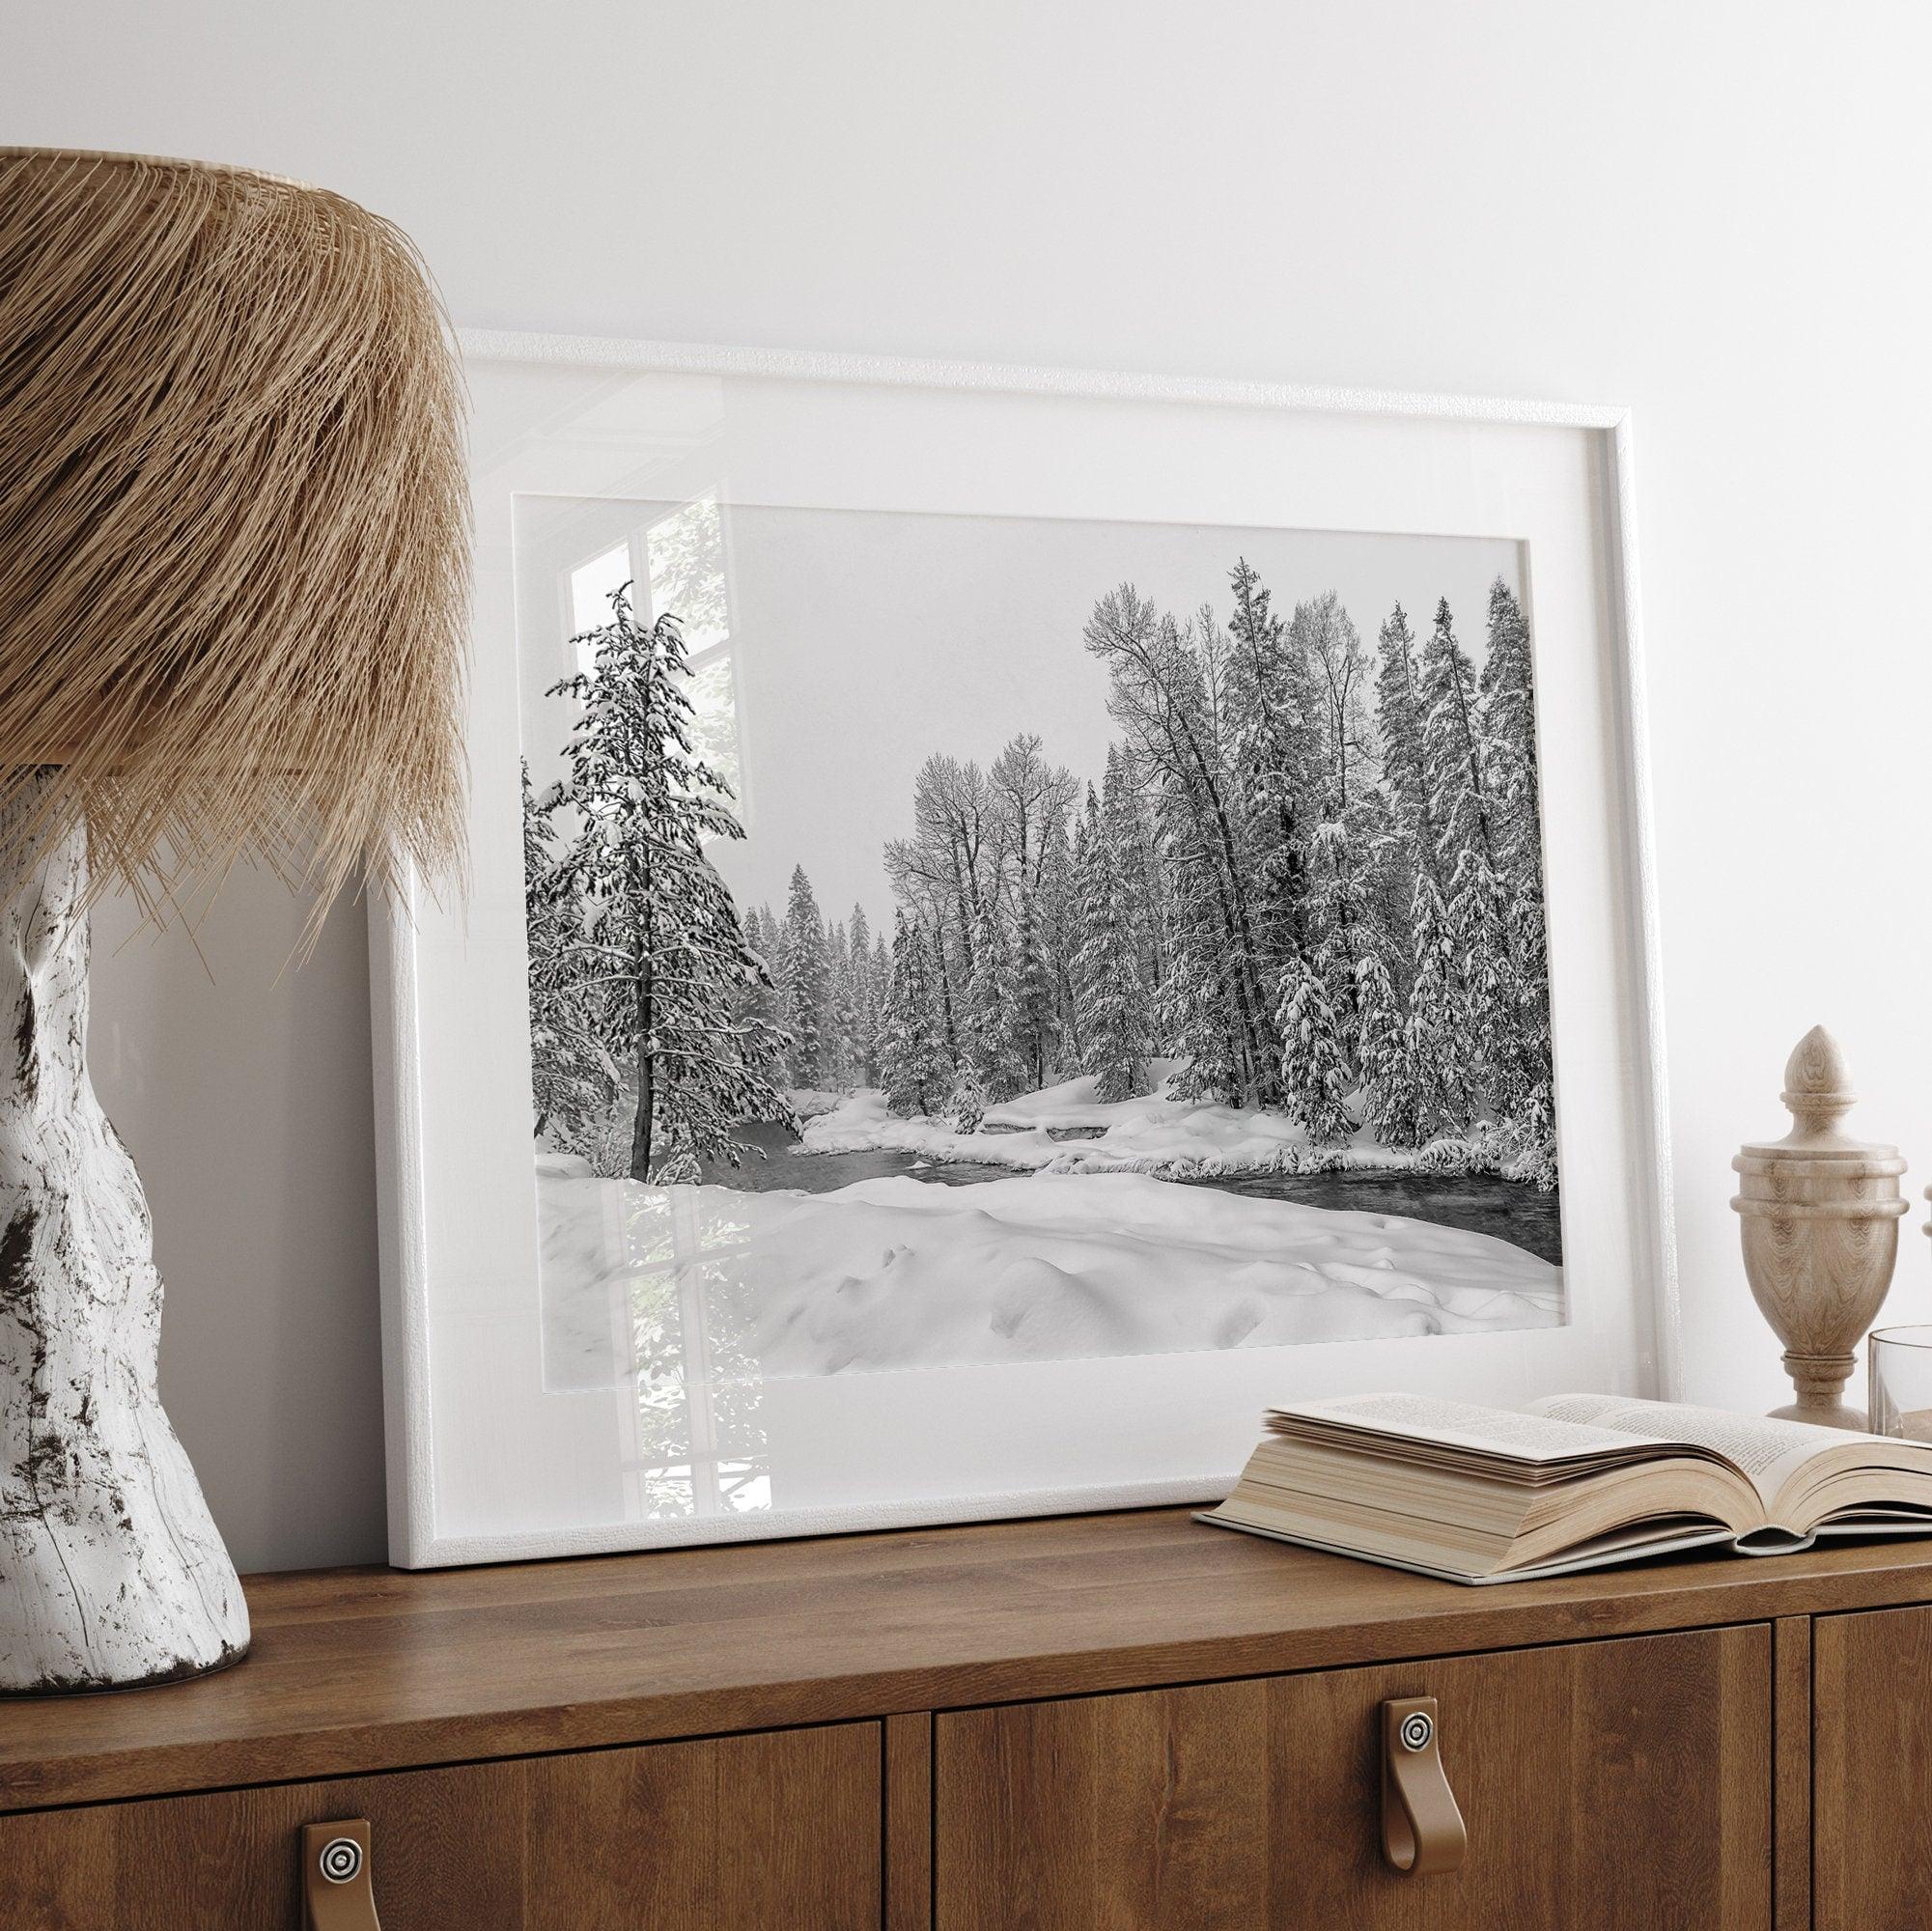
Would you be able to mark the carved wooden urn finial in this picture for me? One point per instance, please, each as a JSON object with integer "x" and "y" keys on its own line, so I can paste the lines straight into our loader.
{"x": 1820, "y": 1215}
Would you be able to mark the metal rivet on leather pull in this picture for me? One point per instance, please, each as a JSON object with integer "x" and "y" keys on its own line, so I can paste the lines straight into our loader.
{"x": 341, "y": 1860}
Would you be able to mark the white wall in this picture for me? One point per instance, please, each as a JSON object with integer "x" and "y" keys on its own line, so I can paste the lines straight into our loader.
{"x": 1712, "y": 210}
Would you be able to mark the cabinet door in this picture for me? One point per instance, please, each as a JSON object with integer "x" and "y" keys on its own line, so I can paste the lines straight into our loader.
{"x": 1871, "y": 1775}
{"x": 744, "y": 1833}
{"x": 1619, "y": 1784}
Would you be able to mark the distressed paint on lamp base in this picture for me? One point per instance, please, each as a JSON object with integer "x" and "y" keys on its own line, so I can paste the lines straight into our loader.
{"x": 112, "y": 1573}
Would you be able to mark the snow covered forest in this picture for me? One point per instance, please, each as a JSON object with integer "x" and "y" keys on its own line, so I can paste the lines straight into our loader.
{"x": 1307, "y": 885}
{"x": 1309, "y": 877}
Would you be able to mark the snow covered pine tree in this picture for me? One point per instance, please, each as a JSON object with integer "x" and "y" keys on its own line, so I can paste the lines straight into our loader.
{"x": 804, "y": 982}
{"x": 1110, "y": 998}
{"x": 912, "y": 1054}
{"x": 661, "y": 935}
{"x": 573, "y": 1080}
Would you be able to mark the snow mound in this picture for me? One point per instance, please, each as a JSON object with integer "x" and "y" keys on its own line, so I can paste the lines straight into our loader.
{"x": 900, "y": 1273}
{"x": 1074, "y": 1103}
{"x": 809, "y": 1102}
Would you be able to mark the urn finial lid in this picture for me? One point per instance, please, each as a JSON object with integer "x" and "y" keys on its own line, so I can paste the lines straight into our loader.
{"x": 1818, "y": 1091}
{"x": 1817, "y": 1086}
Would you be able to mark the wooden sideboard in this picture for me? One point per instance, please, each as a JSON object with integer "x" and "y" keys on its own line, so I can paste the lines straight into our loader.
{"x": 1112, "y": 1721}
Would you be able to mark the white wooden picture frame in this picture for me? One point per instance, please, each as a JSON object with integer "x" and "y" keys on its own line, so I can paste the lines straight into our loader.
{"x": 493, "y": 1455}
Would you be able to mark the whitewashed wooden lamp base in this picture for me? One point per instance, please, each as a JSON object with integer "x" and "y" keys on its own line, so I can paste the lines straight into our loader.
{"x": 1820, "y": 1213}
{"x": 111, "y": 1571}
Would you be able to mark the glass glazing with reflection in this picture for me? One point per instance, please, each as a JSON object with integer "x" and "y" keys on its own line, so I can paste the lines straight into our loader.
{"x": 1901, "y": 1382}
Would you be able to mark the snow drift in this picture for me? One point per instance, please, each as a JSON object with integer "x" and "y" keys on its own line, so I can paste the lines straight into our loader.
{"x": 899, "y": 1273}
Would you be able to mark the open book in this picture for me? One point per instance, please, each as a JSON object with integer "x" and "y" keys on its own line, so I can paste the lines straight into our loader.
{"x": 1578, "y": 1481}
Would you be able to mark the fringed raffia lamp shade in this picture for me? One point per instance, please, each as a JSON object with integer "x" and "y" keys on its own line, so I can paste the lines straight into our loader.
{"x": 232, "y": 589}
{"x": 232, "y": 572}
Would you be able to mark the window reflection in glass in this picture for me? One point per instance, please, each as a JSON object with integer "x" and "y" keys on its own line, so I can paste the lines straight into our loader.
{"x": 645, "y": 1289}
{"x": 685, "y": 553}
{"x": 714, "y": 694}
{"x": 683, "y": 575}
{"x": 592, "y": 587}
{"x": 700, "y": 1441}
{"x": 686, "y": 557}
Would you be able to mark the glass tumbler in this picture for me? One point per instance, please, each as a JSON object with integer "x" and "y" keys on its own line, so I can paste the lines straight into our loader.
{"x": 1901, "y": 1382}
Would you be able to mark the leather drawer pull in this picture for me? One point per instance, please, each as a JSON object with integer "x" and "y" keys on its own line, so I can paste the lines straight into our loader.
{"x": 1422, "y": 1829}
{"x": 336, "y": 1890}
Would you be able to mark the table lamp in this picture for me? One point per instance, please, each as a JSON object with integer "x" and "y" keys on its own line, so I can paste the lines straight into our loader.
{"x": 233, "y": 587}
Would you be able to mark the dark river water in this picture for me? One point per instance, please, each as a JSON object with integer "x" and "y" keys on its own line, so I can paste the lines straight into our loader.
{"x": 1508, "y": 1209}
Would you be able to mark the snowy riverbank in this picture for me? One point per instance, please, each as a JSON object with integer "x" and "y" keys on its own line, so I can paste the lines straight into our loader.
{"x": 1045, "y": 1265}
{"x": 1066, "y": 1128}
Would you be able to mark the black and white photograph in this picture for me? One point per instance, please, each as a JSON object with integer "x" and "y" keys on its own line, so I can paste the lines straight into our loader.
{"x": 959, "y": 940}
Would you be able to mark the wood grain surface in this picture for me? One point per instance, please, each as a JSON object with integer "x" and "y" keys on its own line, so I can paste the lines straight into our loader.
{"x": 909, "y": 1823}
{"x": 1872, "y": 1771}
{"x": 754, "y": 1833}
{"x": 356, "y": 1671}
{"x": 1612, "y": 1786}
{"x": 1791, "y": 1773}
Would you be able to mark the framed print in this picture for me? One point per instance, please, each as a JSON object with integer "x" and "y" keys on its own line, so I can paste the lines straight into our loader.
{"x": 1015, "y": 919}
